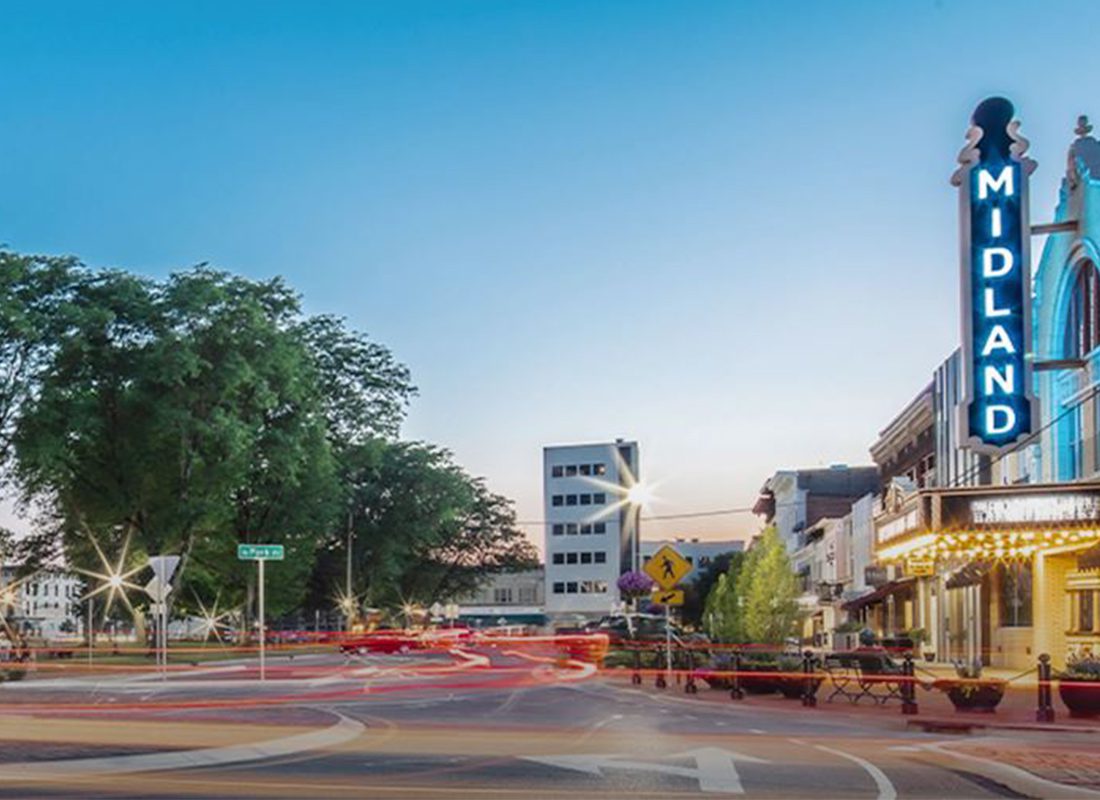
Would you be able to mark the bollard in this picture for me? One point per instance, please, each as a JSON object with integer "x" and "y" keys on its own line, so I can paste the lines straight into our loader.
{"x": 908, "y": 686}
{"x": 660, "y": 682}
{"x": 636, "y": 678}
{"x": 809, "y": 690}
{"x": 735, "y": 689}
{"x": 689, "y": 682}
{"x": 1045, "y": 710}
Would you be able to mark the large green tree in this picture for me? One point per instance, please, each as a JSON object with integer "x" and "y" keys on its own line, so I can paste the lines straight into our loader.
{"x": 723, "y": 612}
{"x": 769, "y": 590}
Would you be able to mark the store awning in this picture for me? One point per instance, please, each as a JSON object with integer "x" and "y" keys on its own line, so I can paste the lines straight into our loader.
{"x": 880, "y": 594}
{"x": 969, "y": 575}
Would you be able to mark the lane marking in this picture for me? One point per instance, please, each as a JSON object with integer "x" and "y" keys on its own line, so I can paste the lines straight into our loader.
{"x": 343, "y": 731}
{"x": 886, "y": 790}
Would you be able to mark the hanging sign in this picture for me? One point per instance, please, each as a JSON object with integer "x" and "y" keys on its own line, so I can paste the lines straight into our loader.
{"x": 994, "y": 230}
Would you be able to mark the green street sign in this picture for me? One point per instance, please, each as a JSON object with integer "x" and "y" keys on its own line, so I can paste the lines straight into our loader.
{"x": 260, "y": 552}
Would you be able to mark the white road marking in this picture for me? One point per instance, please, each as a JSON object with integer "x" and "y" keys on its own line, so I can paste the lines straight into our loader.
{"x": 755, "y": 730}
{"x": 343, "y": 731}
{"x": 715, "y": 768}
{"x": 886, "y": 790}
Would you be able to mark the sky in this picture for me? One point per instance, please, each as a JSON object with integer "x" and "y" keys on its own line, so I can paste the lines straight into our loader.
{"x": 722, "y": 229}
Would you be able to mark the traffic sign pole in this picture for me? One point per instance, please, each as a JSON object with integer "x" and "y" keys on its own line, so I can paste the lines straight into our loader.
{"x": 263, "y": 636}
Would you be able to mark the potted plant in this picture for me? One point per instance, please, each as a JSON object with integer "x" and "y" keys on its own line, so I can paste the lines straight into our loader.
{"x": 1079, "y": 685}
{"x": 969, "y": 693}
{"x": 792, "y": 682}
{"x": 919, "y": 637}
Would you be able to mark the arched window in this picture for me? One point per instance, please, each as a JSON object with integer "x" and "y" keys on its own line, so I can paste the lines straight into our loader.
{"x": 1082, "y": 332}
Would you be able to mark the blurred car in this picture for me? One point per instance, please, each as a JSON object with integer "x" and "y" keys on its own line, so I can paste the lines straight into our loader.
{"x": 638, "y": 628}
{"x": 403, "y": 641}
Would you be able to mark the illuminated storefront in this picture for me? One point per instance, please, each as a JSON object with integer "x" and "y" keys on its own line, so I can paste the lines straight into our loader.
{"x": 1002, "y": 572}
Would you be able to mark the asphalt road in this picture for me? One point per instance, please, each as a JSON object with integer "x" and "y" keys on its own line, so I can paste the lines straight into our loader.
{"x": 470, "y": 726}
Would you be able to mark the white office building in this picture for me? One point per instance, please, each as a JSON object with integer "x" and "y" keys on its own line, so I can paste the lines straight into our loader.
{"x": 592, "y": 534}
{"x": 46, "y": 605}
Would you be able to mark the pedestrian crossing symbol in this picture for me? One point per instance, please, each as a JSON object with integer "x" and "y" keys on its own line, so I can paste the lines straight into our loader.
{"x": 667, "y": 567}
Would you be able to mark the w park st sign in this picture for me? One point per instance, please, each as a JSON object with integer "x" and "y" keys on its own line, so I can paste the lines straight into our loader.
{"x": 999, "y": 407}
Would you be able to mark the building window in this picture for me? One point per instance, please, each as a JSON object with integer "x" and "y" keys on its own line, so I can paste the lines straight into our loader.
{"x": 570, "y": 499}
{"x": 571, "y": 587}
{"x": 1086, "y": 611}
{"x": 599, "y": 527}
{"x": 527, "y": 594}
{"x": 559, "y": 587}
{"x": 570, "y": 471}
{"x": 599, "y": 469}
{"x": 571, "y": 529}
{"x": 501, "y": 596}
{"x": 601, "y": 558}
{"x": 559, "y": 558}
{"x": 1016, "y": 595}
{"x": 593, "y": 587}
{"x": 599, "y": 498}
{"x": 570, "y": 558}
{"x": 586, "y": 499}
{"x": 558, "y": 529}
{"x": 586, "y": 529}
{"x": 555, "y": 472}
{"x": 1082, "y": 332}
{"x": 586, "y": 558}
{"x": 556, "y": 500}
{"x": 586, "y": 469}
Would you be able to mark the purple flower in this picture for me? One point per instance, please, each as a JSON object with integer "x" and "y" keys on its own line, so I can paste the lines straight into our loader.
{"x": 634, "y": 584}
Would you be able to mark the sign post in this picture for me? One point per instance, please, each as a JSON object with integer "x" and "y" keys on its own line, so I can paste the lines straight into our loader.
{"x": 261, "y": 553}
{"x": 667, "y": 568}
{"x": 164, "y": 567}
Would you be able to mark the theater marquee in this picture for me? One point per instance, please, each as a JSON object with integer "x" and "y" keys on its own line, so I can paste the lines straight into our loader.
{"x": 994, "y": 229}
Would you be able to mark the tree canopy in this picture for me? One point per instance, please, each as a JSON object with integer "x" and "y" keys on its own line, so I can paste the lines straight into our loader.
{"x": 189, "y": 414}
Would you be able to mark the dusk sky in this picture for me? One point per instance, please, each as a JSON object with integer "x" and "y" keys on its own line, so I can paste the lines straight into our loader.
{"x": 722, "y": 229}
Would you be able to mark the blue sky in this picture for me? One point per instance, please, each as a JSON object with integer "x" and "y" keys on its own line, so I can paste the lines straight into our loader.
{"x": 724, "y": 229}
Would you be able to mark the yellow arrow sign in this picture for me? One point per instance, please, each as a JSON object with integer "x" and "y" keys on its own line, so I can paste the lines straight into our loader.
{"x": 668, "y": 597}
{"x": 667, "y": 567}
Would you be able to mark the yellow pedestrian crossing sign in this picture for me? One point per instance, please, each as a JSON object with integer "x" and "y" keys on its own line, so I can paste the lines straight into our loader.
{"x": 667, "y": 567}
{"x": 667, "y": 597}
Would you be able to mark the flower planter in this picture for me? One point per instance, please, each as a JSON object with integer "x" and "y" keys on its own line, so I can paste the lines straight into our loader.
{"x": 791, "y": 688}
{"x": 757, "y": 683}
{"x": 1082, "y": 698}
{"x": 973, "y": 698}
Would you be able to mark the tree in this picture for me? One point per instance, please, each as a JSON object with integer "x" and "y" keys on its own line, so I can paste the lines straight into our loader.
{"x": 723, "y": 614}
{"x": 696, "y": 591}
{"x": 770, "y": 592}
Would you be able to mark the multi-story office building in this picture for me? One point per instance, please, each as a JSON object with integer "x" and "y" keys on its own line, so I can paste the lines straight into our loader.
{"x": 592, "y": 525}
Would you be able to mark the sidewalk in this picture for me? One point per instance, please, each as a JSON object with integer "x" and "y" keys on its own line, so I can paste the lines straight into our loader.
{"x": 935, "y": 710}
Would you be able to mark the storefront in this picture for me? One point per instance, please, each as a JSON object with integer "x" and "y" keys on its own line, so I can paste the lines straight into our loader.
{"x": 1005, "y": 573}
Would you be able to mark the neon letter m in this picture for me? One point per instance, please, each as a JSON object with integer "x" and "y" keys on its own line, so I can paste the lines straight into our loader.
{"x": 987, "y": 183}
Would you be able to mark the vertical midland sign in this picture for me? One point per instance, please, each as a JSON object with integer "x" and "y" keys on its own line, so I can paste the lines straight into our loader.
{"x": 999, "y": 407}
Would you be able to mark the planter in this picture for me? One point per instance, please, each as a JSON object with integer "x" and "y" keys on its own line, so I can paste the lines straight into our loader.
{"x": 760, "y": 684}
{"x": 973, "y": 698}
{"x": 791, "y": 688}
{"x": 1082, "y": 698}
{"x": 715, "y": 681}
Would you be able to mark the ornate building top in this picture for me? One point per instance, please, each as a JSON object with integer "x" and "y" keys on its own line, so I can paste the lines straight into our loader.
{"x": 1083, "y": 160}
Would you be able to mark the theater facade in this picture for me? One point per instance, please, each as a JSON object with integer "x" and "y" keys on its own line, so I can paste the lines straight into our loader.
{"x": 1004, "y": 563}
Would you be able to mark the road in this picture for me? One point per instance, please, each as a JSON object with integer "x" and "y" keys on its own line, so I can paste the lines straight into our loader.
{"x": 461, "y": 725}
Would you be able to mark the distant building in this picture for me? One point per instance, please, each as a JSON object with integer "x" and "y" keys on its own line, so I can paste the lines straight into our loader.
{"x": 508, "y": 598}
{"x": 46, "y": 606}
{"x": 592, "y": 530}
{"x": 795, "y": 500}
{"x": 698, "y": 553}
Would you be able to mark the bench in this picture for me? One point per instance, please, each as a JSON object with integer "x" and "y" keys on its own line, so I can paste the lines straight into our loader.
{"x": 855, "y": 676}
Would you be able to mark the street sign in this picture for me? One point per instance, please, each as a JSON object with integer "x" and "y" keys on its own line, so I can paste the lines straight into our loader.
{"x": 668, "y": 597}
{"x": 260, "y": 552}
{"x": 920, "y": 567}
{"x": 667, "y": 567}
{"x": 158, "y": 589}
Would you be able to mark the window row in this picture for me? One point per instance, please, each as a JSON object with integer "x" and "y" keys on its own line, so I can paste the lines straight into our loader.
{"x": 572, "y": 528}
{"x": 580, "y": 587}
{"x": 580, "y": 558}
{"x": 569, "y": 470}
{"x": 597, "y": 499}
